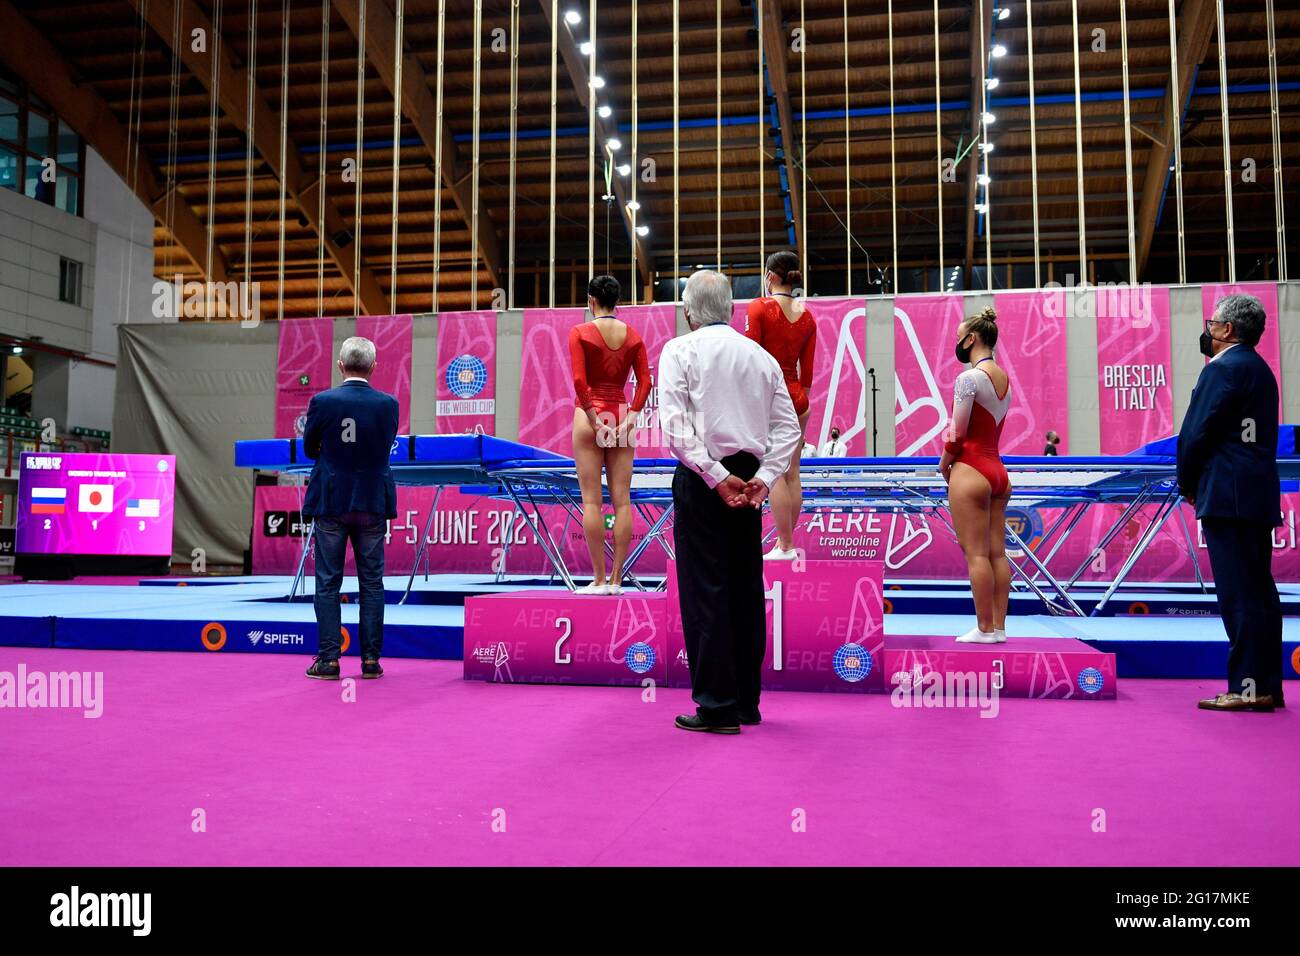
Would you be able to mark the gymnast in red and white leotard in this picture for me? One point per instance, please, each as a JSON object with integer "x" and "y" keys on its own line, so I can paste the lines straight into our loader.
{"x": 603, "y": 352}
{"x": 787, "y": 330}
{"x": 978, "y": 486}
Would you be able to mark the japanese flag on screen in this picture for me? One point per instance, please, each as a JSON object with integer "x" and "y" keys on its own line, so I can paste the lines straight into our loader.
{"x": 95, "y": 498}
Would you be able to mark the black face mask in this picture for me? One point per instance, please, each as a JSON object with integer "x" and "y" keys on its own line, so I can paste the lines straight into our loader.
{"x": 963, "y": 352}
{"x": 1207, "y": 344}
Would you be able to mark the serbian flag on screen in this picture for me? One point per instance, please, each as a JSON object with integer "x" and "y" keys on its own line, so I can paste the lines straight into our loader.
{"x": 142, "y": 507}
{"x": 49, "y": 501}
{"x": 95, "y": 498}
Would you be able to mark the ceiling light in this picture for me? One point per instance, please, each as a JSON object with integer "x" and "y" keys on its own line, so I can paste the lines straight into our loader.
{"x": 614, "y": 145}
{"x": 983, "y": 179}
{"x": 598, "y": 82}
{"x": 643, "y": 230}
{"x": 624, "y": 169}
{"x": 1004, "y": 13}
{"x": 572, "y": 17}
{"x": 986, "y": 147}
{"x": 587, "y": 48}
{"x": 981, "y": 207}
{"x": 633, "y": 205}
{"x": 992, "y": 83}
{"x": 998, "y": 50}
{"x": 988, "y": 118}
{"x": 603, "y": 110}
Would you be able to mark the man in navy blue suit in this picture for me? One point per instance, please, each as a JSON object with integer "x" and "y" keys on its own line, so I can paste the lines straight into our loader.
{"x": 350, "y": 496}
{"x": 1227, "y": 469}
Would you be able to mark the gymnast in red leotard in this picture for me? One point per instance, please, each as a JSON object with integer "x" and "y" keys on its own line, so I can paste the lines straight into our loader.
{"x": 978, "y": 486}
{"x": 603, "y": 352}
{"x": 781, "y": 324}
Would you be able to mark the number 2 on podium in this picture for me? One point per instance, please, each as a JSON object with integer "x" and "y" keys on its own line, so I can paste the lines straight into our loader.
{"x": 566, "y": 626}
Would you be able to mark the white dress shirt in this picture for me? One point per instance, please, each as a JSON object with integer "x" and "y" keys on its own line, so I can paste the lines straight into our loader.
{"x": 1225, "y": 351}
{"x": 721, "y": 393}
{"x": 834, "y": 448}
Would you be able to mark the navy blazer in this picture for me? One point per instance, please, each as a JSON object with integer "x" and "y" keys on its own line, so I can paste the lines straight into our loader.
{"x": 350, "y": 475}
{"x": 1225, "y": 465}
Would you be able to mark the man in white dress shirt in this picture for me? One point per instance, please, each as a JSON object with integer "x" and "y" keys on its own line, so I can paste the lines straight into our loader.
{"x": 727, "y": 416}
{"x": 834, "y": 448}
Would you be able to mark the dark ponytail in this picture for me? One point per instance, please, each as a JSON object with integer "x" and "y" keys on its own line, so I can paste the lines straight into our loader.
{"x": 785, "y": 266}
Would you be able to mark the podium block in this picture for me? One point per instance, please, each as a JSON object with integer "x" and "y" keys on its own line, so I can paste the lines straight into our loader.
{"x": 1045, "y": 668}
{"x": 825, "y": 627}
{"x": 556, "y": 637}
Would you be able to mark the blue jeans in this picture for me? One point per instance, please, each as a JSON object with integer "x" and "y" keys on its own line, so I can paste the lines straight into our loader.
{"x": 366, "y": 532}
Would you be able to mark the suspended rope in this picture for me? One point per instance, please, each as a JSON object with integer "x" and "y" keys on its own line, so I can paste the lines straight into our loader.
{"x": 717, "y": 152}
{"x": 1078, "y": 149}
{"x": 399, "y": 41}
{"x": 1176, "y": 123}
{"x": 361, "y": 132}
{"x": 214, "y": 114}
{"x": 514, "y": 143}
{"x": 250, "y": 106}
{"x": 437, "y": 154}
{"x": 320, "y": 171}
{"x": 1128, "y": 144}
{"x": 762, "y": 147}
{"x": 984, "y": 151}
{"x": 173, "y": 118}
{"x": 555, "y": 44}
{"x": 677, "y": 160}
{"x": 591, "y": 147}
{"x": 893, "y": 171}
{"x": 848, "y": 152}
{"x": 135, "y": 109}
{"x": 803, "y": 138}
{"x": 938, "y": 136}
{"x": 1279, "y": 205}
{"x": 1227, "y": 142}
{"x": 284, "y": 142}
{"x": 1033, "y": 140}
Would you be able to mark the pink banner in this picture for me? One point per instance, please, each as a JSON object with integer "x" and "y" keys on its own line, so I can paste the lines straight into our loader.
{"x": 1135, "y": 396}
{"x": 925, "y": 331}
{"x": 392, "y": 337}
{"x": 467, "y": 372}
{"x": 657, "y": 326}
{"x": 546, "y": 399}
{"x": 302, "y": 369}
{"x": 1270, "y": 344}
{"x": 838, "y": 396}
{"x": 1032, "y": 350}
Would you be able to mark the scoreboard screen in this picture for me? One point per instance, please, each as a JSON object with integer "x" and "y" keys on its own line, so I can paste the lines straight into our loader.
{"x": 95, "y": 504}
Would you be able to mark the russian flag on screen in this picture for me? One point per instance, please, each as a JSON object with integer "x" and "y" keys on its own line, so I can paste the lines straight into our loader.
{"x": 142, "y": 507}
{"x": 49, "y": 501}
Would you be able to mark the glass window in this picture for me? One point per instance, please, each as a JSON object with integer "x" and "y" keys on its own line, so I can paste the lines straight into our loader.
{"x": 8, "y": 169}
{"x": 69, "y": 148}
{"x": 70, "y": 281}
{"x": 8, "y": 120}
{"x": 34, "y": 184}
{"x": 38, "y": 134}
{"x": 67, "y": 192}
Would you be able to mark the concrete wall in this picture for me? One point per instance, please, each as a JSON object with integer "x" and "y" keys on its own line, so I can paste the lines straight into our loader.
{"x": 114, "y": 244}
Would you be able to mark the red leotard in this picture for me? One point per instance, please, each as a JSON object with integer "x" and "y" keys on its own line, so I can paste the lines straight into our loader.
{"x": 600, "y": 372}
{"x": 792, "y": 344}
{"x": 978, "y": 414}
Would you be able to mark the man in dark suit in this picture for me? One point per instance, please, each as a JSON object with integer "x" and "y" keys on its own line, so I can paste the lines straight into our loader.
{"x": 1227, "y": 469}
{"x": 351, "y": 494}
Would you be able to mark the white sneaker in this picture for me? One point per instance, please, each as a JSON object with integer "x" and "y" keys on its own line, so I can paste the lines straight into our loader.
{"x": 778, "y": 554}
{"x": 613, "y": 589}
{"x": 593, "y": 589}
{"x": 976, "y": 636}
{"x": 1001, "y": 634}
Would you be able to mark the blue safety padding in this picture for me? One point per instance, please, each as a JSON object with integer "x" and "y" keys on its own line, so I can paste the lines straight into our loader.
{"x": 262, "y": 453}
{"x": 22, "y": 631}
{"x": 496, "y": 450}
{"x": 447, "y": 449}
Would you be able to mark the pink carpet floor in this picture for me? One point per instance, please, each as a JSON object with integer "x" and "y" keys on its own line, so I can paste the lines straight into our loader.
{"x": 416, "y": 770}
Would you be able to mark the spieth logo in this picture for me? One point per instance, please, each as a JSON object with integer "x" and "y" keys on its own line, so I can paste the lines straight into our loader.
{"x": 268, "y": 638}
{"x": 494, "y": 654}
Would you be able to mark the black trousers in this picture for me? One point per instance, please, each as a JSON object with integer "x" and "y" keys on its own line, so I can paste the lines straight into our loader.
{"x": 1241, "y": 556}
{"x": 720, "y": 581}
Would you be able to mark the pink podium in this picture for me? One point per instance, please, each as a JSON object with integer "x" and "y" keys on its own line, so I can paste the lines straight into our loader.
{"x": 825, "y": 632}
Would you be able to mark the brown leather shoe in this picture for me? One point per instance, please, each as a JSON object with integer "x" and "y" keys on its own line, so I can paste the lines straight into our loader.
{"x": 1235, "y": 701}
